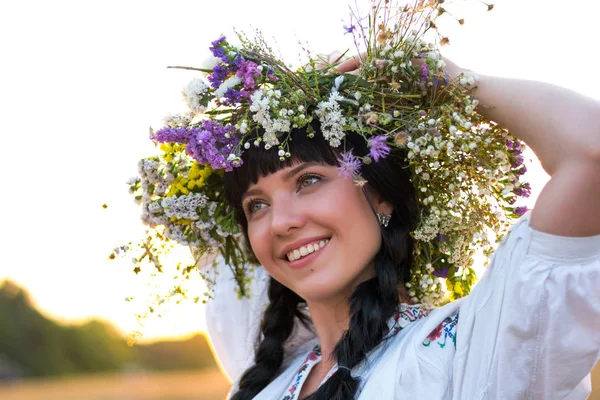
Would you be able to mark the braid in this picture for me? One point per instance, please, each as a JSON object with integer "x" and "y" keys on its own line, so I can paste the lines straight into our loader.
{"x": 372, "y": 304}
{"x": 276, "y": 327}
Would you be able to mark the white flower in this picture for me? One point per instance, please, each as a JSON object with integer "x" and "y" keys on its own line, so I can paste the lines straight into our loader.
{"x": 247, "y": 145}
{"x": 210, "y": 62}
{"x": 229, "y": 83}
{"x": 281, "y": 153}
{"x": 332, "y": 120}
{"x": 192, "y": 93}
{"x": 337, "y": 82}
{"x": 452, "y": 129}
{"x": 394, "y": 68}
{"x": 178, "y": 119}
{"x": 399, "y": 54}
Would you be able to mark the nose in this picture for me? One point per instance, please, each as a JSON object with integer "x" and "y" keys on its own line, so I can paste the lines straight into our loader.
{"x": 286, "y": 216}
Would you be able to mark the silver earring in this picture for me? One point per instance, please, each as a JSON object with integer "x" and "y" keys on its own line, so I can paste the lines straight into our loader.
{"x": 384, "y": 219}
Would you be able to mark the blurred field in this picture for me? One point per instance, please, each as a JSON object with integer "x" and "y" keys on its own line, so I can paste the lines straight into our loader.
{"x": 186, "y": 385}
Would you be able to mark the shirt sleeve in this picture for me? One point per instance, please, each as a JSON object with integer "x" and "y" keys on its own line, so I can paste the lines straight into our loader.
{"x": 232, "y": 322}
{"x": 531, "y": 327}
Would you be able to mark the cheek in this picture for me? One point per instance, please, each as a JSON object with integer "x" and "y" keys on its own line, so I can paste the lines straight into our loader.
{"x": 356, "y": 223}
{"x": 259, "y": 241}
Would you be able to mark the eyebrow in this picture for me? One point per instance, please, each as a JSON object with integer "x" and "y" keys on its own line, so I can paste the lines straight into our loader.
{"x": 288, "y": 175}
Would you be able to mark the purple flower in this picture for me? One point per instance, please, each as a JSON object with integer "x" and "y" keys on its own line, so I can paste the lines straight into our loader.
{"x": 349, "y": 165}
{"x": 217, "y": 50}
{"x": 218, "y": 75}
{"x": 180, "y": 134}
{"x": 212, "y": 144}
{"x": 424, "y": 72}
{"x": 522, "y": 170}
{"x": 520, "y": 211}
{"x": 524, "y": 190}
{"x": 510, "y": 144}
{"x": 237, "y": 61}
{"x": 248, "y": 70}
{"x": 271, "y": 76}
{"x": 518, "y": 161}
{"x": 378, "y": 149}
{"x": 441, "y": 273}
{"x": 233, "y": 96}
{"x": 350, "y": 27}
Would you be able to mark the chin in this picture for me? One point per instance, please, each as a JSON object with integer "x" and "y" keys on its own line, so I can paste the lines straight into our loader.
{"x": 322, "y": 290}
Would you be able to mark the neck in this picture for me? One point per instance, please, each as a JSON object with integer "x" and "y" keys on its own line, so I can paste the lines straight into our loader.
{"x": 331, "y": 319}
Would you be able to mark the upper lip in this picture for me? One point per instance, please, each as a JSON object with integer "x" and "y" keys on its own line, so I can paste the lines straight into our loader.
{"x": 302, "y": 242}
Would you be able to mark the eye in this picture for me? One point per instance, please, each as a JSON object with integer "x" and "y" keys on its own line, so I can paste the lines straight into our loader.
{"x": 307, "y": 180}
{"x": 254, "y": 205}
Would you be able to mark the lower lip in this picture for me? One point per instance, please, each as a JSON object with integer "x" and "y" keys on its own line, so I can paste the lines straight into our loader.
{"x": 301, "y": 262}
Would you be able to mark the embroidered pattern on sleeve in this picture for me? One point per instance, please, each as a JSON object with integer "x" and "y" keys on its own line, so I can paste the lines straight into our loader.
{"x": 444, "y": 331}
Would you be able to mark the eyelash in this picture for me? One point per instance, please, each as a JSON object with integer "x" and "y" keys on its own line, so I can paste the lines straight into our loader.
{"x": 252, "y": 203}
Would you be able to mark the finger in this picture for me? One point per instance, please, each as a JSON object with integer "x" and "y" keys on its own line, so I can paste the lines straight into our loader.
{"x": 349, "y": 65}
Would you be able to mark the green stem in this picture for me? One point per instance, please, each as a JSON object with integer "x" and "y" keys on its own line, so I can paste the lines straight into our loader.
{"x": 190, "y": 68}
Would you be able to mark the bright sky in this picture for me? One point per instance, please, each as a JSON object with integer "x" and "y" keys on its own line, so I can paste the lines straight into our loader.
{"x": 81, "y": 82}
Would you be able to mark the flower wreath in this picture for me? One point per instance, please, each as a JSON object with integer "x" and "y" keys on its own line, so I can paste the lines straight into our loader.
{"x": 465, "y": 169}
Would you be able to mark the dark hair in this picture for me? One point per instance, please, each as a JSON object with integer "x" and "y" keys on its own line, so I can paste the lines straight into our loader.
{"x": 372, "y": 303}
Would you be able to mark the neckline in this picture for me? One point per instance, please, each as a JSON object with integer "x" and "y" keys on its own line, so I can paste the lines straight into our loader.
{"x": 405, "y": 315}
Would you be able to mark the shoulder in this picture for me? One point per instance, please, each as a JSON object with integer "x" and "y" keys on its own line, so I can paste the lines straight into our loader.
{"x": 430, "y": 342}
{"x": 418, "y": 361}
{"x": 444, "y": 334}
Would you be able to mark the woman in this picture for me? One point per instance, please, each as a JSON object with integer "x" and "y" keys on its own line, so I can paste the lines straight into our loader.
{"x": 337, "y": 265}
{"x": 356, "y": 191}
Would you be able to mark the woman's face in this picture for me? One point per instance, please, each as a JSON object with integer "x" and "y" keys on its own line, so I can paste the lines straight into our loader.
{"x": 313, "y": 230}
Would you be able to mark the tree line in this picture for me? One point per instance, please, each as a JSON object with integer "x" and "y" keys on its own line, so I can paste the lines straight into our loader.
{"x": 32, "y": 345}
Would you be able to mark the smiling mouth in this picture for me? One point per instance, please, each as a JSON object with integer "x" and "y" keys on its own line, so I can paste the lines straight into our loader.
{"x": 303, "y": 251}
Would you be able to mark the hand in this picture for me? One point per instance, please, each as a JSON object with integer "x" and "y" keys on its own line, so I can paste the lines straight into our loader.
{"x": 352, "y": 66}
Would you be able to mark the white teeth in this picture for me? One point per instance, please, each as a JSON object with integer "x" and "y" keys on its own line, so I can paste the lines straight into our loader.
{"x": 306, "y": 250}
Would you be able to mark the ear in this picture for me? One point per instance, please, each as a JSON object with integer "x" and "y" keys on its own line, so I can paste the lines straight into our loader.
{"x": 380, "y": 205}
{"x": 383, "y": 206}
